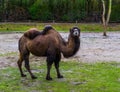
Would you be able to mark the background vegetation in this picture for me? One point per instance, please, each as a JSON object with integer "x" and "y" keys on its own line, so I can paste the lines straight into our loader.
{"x": 61, "y": 27}
{"x": 56, "y": 10}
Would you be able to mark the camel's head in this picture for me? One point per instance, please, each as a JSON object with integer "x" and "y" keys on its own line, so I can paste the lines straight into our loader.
{"x": 75, "y": 32}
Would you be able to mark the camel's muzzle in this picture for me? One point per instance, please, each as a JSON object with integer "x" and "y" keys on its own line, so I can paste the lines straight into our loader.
{"x": 76, "y": 33}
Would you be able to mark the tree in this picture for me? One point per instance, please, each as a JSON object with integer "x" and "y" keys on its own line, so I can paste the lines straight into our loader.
{"x": 105, "y": 19}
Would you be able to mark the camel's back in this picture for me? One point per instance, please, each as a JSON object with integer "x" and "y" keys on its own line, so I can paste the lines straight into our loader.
{"x": 34, "y": 32}
{"x": 51, "y": 37}
{"x": 42, "y": 43}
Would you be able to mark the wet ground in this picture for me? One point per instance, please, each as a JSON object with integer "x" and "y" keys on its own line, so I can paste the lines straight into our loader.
{"x": 94, "y": 48}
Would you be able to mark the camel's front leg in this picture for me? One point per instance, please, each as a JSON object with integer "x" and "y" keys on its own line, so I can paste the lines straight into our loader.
{"x": 56, "y": 62}
{"x": 57, "y": 69}
{"x": 49, "y": 65}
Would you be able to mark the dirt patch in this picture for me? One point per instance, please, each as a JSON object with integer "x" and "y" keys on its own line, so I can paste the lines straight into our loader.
{"x": 94, "y": 48}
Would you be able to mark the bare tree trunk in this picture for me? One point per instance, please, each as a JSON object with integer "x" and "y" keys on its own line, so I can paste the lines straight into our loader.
{"x": 109, "y": 11}
{"x": 104, "y": 20}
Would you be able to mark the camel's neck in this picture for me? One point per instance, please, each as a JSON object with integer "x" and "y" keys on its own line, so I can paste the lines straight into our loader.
{"x": 71, "y": 47}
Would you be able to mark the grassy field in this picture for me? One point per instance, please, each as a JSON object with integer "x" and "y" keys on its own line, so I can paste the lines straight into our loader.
{"x": 78, "y": 77}
{"x": 13, "y": 27}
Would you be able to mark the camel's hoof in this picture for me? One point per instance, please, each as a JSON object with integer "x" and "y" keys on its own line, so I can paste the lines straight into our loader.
{"x": 23, "y": 75}
{"x": 34, "y": 77}
{"x": 60, "y": 76}
{"x": 48, "y": 78}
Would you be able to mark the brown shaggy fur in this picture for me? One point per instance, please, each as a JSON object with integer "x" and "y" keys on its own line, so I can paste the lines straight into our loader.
{"x": 32, "y": 33}
{"x": 47, "y": 43}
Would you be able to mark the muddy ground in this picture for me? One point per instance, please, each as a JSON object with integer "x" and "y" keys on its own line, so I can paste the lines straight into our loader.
{"x": 94, "y": 48}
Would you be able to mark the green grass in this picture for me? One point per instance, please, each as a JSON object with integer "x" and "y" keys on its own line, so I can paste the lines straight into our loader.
{"x": 8, "y": 54}
{"x": 14, "y": 27}
{"x": 78, "y": 77}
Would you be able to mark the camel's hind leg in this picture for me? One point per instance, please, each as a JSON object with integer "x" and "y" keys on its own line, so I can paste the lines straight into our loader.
{"x": 27, "y": 66}
{"x": 25, "y": 57}
{"x": 20, "y": 60}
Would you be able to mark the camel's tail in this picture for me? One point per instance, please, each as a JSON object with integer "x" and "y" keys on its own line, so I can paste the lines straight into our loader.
{"x": 33, "y": 32}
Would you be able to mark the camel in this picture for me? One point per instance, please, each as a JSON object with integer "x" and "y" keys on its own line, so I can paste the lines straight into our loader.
{"x": 48, "y": 43}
